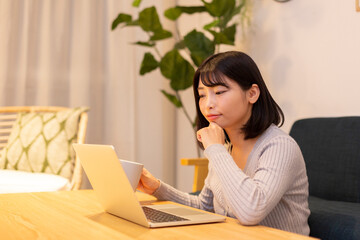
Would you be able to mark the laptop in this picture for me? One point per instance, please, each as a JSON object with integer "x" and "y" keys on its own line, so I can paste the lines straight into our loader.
{"x": 117, "y": 196}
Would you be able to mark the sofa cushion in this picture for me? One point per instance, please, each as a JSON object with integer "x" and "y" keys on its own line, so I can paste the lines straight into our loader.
{"x": 12, "y": 181}
{"x": 334, "y": 219}
{"x": 331, "y": 150}
{"x": 41, "y": 142}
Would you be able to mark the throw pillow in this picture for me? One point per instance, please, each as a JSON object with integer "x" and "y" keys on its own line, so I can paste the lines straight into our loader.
{"x": 41, "y": 142}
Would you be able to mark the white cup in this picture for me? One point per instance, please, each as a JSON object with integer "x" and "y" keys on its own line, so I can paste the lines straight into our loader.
{"x": 133, "y": 171}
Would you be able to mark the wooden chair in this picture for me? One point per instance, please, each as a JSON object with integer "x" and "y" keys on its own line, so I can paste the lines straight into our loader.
{"x": 8, "y": 117}
{"x": 201, "y": 171}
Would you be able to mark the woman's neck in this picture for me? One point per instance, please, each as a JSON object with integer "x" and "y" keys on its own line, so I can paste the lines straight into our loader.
{"x": 241, "y": 147}
{"x": 236, "y": 137}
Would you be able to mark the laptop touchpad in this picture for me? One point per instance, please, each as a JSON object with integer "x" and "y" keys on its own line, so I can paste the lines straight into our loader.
{"x": 182, "y": 211}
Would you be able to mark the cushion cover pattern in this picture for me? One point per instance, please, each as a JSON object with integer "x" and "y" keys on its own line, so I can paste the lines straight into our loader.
{"x": 41, "y": 142}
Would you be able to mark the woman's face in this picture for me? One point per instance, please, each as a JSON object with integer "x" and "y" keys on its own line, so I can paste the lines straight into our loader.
{"x": 230, "y": 107}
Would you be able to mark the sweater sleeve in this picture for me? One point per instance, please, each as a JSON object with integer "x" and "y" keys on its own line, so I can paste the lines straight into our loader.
{"x": 204, "y": 201}
{"x": 251, "y": 198}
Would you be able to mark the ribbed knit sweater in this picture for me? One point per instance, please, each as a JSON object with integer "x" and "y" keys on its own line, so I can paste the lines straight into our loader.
{"x": 272, "y": 190}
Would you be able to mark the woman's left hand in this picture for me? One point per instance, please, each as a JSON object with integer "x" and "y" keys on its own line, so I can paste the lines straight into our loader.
{"x": 213, "y": 134}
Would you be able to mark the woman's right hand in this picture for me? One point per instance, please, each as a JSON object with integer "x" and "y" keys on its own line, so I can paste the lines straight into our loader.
{"x": 148, "y": 183}
{"x": 213, "y": 134}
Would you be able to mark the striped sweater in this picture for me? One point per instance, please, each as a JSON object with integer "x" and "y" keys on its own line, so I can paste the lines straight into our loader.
{"x": 272, "y": 190}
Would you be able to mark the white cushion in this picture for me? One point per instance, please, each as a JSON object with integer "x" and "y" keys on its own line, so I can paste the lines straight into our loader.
{"x": 12, "y": 181}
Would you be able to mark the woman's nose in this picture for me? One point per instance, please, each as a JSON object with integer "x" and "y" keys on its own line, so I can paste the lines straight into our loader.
{"x": 210, "y": 102}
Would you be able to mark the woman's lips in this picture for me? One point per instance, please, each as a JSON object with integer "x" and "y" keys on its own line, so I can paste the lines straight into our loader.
{"x": 212, "y": 117}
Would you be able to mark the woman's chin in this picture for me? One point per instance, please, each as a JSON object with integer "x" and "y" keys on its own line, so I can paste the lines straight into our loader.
{"x": 218, "y": 123}
{"x": 212, "y": 121}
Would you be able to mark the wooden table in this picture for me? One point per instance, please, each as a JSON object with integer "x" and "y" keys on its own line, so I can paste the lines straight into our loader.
{"x": 78, "y": 215}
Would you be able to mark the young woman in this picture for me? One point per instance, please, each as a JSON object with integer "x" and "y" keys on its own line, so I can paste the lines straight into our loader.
{"x": 256, "y": 171}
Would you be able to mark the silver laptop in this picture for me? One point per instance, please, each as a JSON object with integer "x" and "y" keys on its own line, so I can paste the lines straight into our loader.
{"x": 116, "y": 195}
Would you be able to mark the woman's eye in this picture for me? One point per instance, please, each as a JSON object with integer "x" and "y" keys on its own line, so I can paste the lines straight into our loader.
{"x": 201, "y": 95}
{"x": 219, "y": 92}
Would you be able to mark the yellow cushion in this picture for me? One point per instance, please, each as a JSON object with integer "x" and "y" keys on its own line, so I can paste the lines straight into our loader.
{"x": 41, "y": 142}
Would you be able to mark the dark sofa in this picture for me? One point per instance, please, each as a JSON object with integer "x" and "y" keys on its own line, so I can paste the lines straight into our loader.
{"x": 331, "y": 149}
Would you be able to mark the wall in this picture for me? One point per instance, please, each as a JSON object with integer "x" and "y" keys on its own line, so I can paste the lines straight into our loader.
{"x": 308, "y": 53}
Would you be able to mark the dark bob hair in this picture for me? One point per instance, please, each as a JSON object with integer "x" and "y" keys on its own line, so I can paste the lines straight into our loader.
{"x": 243, "y": 70}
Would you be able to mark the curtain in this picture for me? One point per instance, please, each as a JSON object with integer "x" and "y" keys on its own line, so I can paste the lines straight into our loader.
{"x": 64, "y": 53}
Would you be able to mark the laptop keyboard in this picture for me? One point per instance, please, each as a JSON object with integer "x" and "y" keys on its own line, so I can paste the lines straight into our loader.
{"x": 154, "y": 215}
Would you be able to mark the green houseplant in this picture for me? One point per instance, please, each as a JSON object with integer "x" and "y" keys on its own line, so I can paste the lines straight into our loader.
{"x": 196, "y": 44}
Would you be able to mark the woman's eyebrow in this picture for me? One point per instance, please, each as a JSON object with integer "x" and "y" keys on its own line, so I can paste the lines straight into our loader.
{"x": 212, "y": 86}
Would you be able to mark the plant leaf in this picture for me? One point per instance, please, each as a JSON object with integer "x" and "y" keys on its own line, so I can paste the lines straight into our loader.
{"x": 214, "y": 23}
{"x": 175, "y": 12}
{"x": 180, "y": 72}
{"x": 221, "y": 38}
{"x": 191, "y": 10}
{"x": 132, "y": 23}
{"x": 180, "y": 45}
{"x": 172, "y": 98}
{"x": 199, "y": 45}
{"x": 218, "y": 8}
{"x": 145, "y": 44}
{"x": 149, "y": 20}
{"x": 120, "y": 19}
{"x": 230, "y": 33}
{"x": 148, "y": 63}
{"x": 230, "y": 14}
{"x": 160, "y": 35}
{"x": 136, "y": 3}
